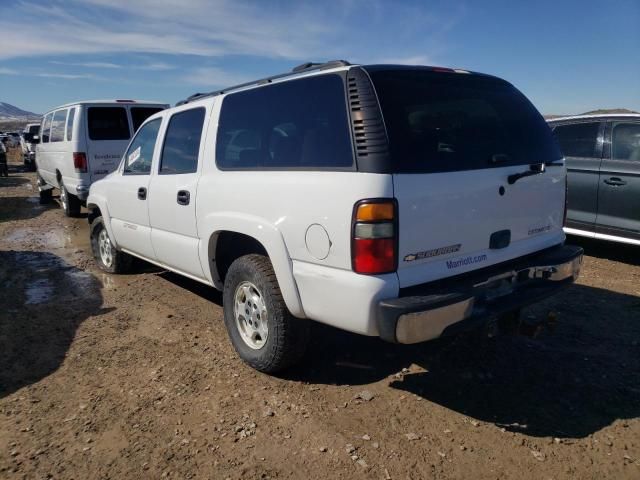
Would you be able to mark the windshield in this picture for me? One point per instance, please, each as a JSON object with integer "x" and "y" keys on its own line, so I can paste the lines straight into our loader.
{"x": 441, "y": 122}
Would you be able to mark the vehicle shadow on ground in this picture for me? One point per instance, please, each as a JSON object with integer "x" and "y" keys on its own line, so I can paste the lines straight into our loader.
{"x": 22, "y": 208}
{"x": 570, "y": 383}
{"x": 43, "y": 300}
{"x": 12, "y": 181}
{"x": 618, "y": 252}
{"x": 567, "y": 383}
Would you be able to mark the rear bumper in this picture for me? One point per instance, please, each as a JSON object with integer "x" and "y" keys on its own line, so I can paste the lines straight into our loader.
{"x": 429, "y": 311}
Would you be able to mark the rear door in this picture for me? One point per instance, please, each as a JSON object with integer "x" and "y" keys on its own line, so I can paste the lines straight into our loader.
{"x": 455, "y": 139}
{"x": 108, "y": 134}
{"x": 619, "y": 187}
{"x": 109, "y": 128}
{"x": 173, "y": 193}
{"x": 581, "y": 145}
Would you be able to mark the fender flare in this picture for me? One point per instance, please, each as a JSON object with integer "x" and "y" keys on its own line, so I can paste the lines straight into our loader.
{"x": 100, "y": 203}
{"x": 210, "y": 226}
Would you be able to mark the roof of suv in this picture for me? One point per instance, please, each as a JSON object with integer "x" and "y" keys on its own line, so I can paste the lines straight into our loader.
{"x": 327, "y": 67}
{"x": 592, "y": 116}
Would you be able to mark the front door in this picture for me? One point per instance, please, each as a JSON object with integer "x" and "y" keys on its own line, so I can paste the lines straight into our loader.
{"x": 128, "y": 193}
{"x": 172, "y": 199}
{"x": 619, "y": 190}
{"x": 581, "y": 145}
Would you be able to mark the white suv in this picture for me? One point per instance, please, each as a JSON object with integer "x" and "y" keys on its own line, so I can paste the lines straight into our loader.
{"x": 400, "y": 202}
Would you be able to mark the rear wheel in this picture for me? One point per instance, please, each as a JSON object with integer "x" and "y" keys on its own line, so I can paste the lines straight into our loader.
{"x": 261, "y": 328}
{"x": 70, "y": 203}
{"x": 107, "y": 257}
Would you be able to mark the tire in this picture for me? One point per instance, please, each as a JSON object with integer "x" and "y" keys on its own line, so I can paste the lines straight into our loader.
{"x": 45, "y": 196}
{"x": 251, "y": 284}
{"x": 70, "y": 203}
{"x": 107, "y": 257}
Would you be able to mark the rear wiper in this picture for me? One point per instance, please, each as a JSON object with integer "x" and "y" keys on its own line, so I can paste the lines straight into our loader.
{"x": 535, "y": 169}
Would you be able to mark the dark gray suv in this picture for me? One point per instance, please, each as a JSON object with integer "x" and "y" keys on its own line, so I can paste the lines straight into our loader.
{"x": 602, "y": 153}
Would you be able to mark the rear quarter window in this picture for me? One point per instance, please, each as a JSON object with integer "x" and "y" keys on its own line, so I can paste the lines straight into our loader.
{"x": 108, "y": 123}
{"x": 297, "y": 124}
{"x": 442, "y": 122}
{"x": 578, "y": 139}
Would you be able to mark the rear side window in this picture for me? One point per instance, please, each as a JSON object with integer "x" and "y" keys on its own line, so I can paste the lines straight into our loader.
{"x": 139, "y": 156}
{"x": 46, "y": 128}
{"x": 57, "y": 126}
{"x": 140, "y": 114}
{"x": 442, "y": 122}
{"x": 70, "y": 119}
{"x": 182, "y": 142}
{"x": 578, "y": 140}
{"x": 108, "y": 123}
{"x": 625, "y": 141}
{"x": 299, "y": 124}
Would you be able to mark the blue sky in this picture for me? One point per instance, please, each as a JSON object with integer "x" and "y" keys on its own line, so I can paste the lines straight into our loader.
{"x": 567, "y": 56}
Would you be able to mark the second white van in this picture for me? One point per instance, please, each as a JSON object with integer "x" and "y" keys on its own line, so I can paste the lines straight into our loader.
{"x": 82, "y": 142}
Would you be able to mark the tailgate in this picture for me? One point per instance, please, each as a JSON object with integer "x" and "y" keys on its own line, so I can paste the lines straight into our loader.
{"x": 476, "y": 172}
{"x": 447, "y": 220}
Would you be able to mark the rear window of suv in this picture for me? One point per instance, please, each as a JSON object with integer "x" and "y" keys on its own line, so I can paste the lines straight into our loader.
{"x": 442, "y": 122}
{"x": 108, "y": 123}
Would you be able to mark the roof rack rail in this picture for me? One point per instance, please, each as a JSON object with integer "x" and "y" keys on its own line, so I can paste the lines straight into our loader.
{"x": 305, "y": 67}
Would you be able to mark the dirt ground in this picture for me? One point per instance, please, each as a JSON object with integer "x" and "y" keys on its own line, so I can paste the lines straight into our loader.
{"x": 133, "y": 377}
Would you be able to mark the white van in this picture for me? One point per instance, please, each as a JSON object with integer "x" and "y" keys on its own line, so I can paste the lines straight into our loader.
{"x": 82, "y": 142}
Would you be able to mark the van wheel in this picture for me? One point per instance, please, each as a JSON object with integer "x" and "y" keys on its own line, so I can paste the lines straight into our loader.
{"x": 261, "y": 328}
{"x": 107, "y": 257}
{"x": 45, "y": 196}
{"x": 70, "y": 203}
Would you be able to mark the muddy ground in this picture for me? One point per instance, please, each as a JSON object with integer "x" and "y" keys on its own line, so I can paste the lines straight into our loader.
{"x": 133, "y": 377}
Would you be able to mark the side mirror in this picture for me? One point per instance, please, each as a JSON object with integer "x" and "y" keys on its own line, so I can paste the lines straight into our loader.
{"x": 35, "y": 139}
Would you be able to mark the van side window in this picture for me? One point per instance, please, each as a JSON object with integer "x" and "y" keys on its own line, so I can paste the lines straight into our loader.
{"x": 137, "y": 160}
{"x": 46, "y": 128}
{"x": 625, "y": 141}
{"x": 578, "y": 139}
{"x": 57, "y": 126}
{"x": 298, "y": 124}
{"x": 108, "y": 123}
{"x": 70, "y": 118}
{"x": 182, "y": 142}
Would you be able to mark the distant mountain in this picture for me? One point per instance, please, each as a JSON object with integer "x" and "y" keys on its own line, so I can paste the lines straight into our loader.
{"x": 9, "y": 112}
{"x": 604, "y": 111}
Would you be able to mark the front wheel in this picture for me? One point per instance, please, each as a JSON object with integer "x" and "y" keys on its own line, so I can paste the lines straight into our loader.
{"x": 107, "y": 257}
{"x": 260, "y": 327}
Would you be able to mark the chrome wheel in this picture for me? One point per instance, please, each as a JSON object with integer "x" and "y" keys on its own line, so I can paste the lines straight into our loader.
{"x": 104, "y": 247}
{"x": 250, "y": 313}
{"x": 63, "y": 197}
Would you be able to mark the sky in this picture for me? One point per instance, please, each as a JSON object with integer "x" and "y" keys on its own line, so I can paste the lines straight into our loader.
{"x": 567, "y": 56}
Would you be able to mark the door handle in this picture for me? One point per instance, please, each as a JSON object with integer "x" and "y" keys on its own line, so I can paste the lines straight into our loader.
{"x": 183, "y": 197}
{"x": 142, "y": 193}
{"x": 615, "y": 181}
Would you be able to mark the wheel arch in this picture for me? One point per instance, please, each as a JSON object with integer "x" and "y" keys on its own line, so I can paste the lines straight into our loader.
{"x": 231, "y": 235}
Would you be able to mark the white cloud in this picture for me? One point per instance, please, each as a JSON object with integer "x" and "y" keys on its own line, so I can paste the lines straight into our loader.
{"x": 87, "y": 64}
{"x": 67, "y": 76}
{"x": 8, "y": 71}
{"x": 358, "y": 30}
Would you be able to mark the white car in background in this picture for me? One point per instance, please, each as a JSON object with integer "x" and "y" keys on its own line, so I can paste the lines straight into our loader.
{"x": 81, "y": 142}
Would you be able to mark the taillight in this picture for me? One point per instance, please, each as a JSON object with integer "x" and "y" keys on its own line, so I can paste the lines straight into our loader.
{"x": 374, "y": 237}
{"x": 80, "y": 162}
